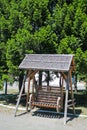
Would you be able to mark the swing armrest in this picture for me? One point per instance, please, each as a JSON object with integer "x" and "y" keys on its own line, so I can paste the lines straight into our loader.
{"x": 58, "y": 103}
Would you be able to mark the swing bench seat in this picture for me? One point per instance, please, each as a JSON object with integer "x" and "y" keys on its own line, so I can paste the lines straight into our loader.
{"x": 47, "y": 97}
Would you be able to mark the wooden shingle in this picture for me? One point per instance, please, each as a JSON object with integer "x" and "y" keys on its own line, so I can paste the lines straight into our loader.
{"x": 56, "y": 62}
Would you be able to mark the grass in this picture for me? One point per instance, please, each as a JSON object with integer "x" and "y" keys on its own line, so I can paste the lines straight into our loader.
{"x": 81, "y": 101}
{"x": 81, "y": 98}
{"x": 10, "y": 98}
{"x": 82, "y": 109}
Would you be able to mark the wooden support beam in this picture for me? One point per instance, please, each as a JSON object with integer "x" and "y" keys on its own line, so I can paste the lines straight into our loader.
{"x": 72, "y": 95}
{"x": 33, "y": 85}
{"x": 61, "y": 81}
{"x": 63, "y": 75}
{"x": 32, "y": 74}
{"x": 27, "y": 100}
{"x": 66, "y": 99}
{"x": 62, "y": 92}
{"x": 73, "y": 65}
{"x": 71, "y": 100}
{"x": 68, "y": 84}
{"x": 23, "y": 85}
{"x": 70, "y": 81}
{"x": 71, "y": 104}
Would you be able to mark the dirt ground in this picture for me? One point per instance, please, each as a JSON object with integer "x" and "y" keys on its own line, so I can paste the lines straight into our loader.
{"x": 38, "y": 121}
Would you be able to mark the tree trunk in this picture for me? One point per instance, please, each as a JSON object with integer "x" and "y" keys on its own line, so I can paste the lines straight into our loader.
{"x": 75, "y": 82}
{"x": 48, "y": 78}
{"x": 40, "y": 78}
{"x": 20, "y": 83}
{"x": 5, "y": 86}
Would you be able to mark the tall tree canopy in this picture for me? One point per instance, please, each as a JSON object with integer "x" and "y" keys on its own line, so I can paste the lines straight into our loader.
{"x": 42, "y": 26}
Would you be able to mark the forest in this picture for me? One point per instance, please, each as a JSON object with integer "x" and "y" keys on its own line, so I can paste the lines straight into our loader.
{"x": 41, "y": 27}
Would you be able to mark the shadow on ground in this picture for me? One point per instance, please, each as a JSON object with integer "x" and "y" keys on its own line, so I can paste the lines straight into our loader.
{"x": 10, "y": 99}
{"x": 81, "y": 100}
{"x": 49, "y": 113}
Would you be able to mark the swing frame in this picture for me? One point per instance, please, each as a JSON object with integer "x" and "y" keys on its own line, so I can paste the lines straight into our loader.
{"x": 61, "y": 63}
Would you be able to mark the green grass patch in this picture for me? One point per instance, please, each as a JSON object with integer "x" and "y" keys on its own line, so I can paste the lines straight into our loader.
{"x": 81, "y": 98}
{"x": 11, "y": 98}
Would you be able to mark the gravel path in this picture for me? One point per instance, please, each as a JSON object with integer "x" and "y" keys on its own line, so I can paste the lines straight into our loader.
{"x": 30, "y": 122}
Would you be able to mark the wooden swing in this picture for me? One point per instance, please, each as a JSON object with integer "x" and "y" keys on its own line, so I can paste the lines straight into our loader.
{"x": 48, "y": 96}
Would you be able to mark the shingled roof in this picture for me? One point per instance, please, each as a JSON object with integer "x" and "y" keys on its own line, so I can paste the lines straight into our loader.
{"x": 56, "y": 62}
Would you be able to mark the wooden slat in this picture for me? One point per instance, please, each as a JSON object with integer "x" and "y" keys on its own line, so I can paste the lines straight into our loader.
{"x": 71, "y": 100}
{"x": 71, "y": 104}
{"x": 46, "y": 100}
{"x": 40, "y": 104}
{"x": 47, "y": 96}
{"x": 50, "y": 87}
{"x": 48, "y": 105}
{"x": 22, "y": 95}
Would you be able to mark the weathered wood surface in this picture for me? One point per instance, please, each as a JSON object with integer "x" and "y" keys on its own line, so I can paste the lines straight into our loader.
{"x": 47, "y": 97}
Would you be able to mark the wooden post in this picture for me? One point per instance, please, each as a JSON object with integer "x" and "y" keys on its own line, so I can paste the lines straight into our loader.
{"x": 33, "y": 84}
{"x": 31, "y": 75}
{"x": 27, "y": 100}
{"x": 23, "y": 85}
{"x": 72, "y": 95}
{"x": 62, "y": 83}
{"x": 66, "y": 99}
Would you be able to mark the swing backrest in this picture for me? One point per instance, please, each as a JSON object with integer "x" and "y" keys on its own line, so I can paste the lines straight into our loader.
{"x": 47, "y": 97}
